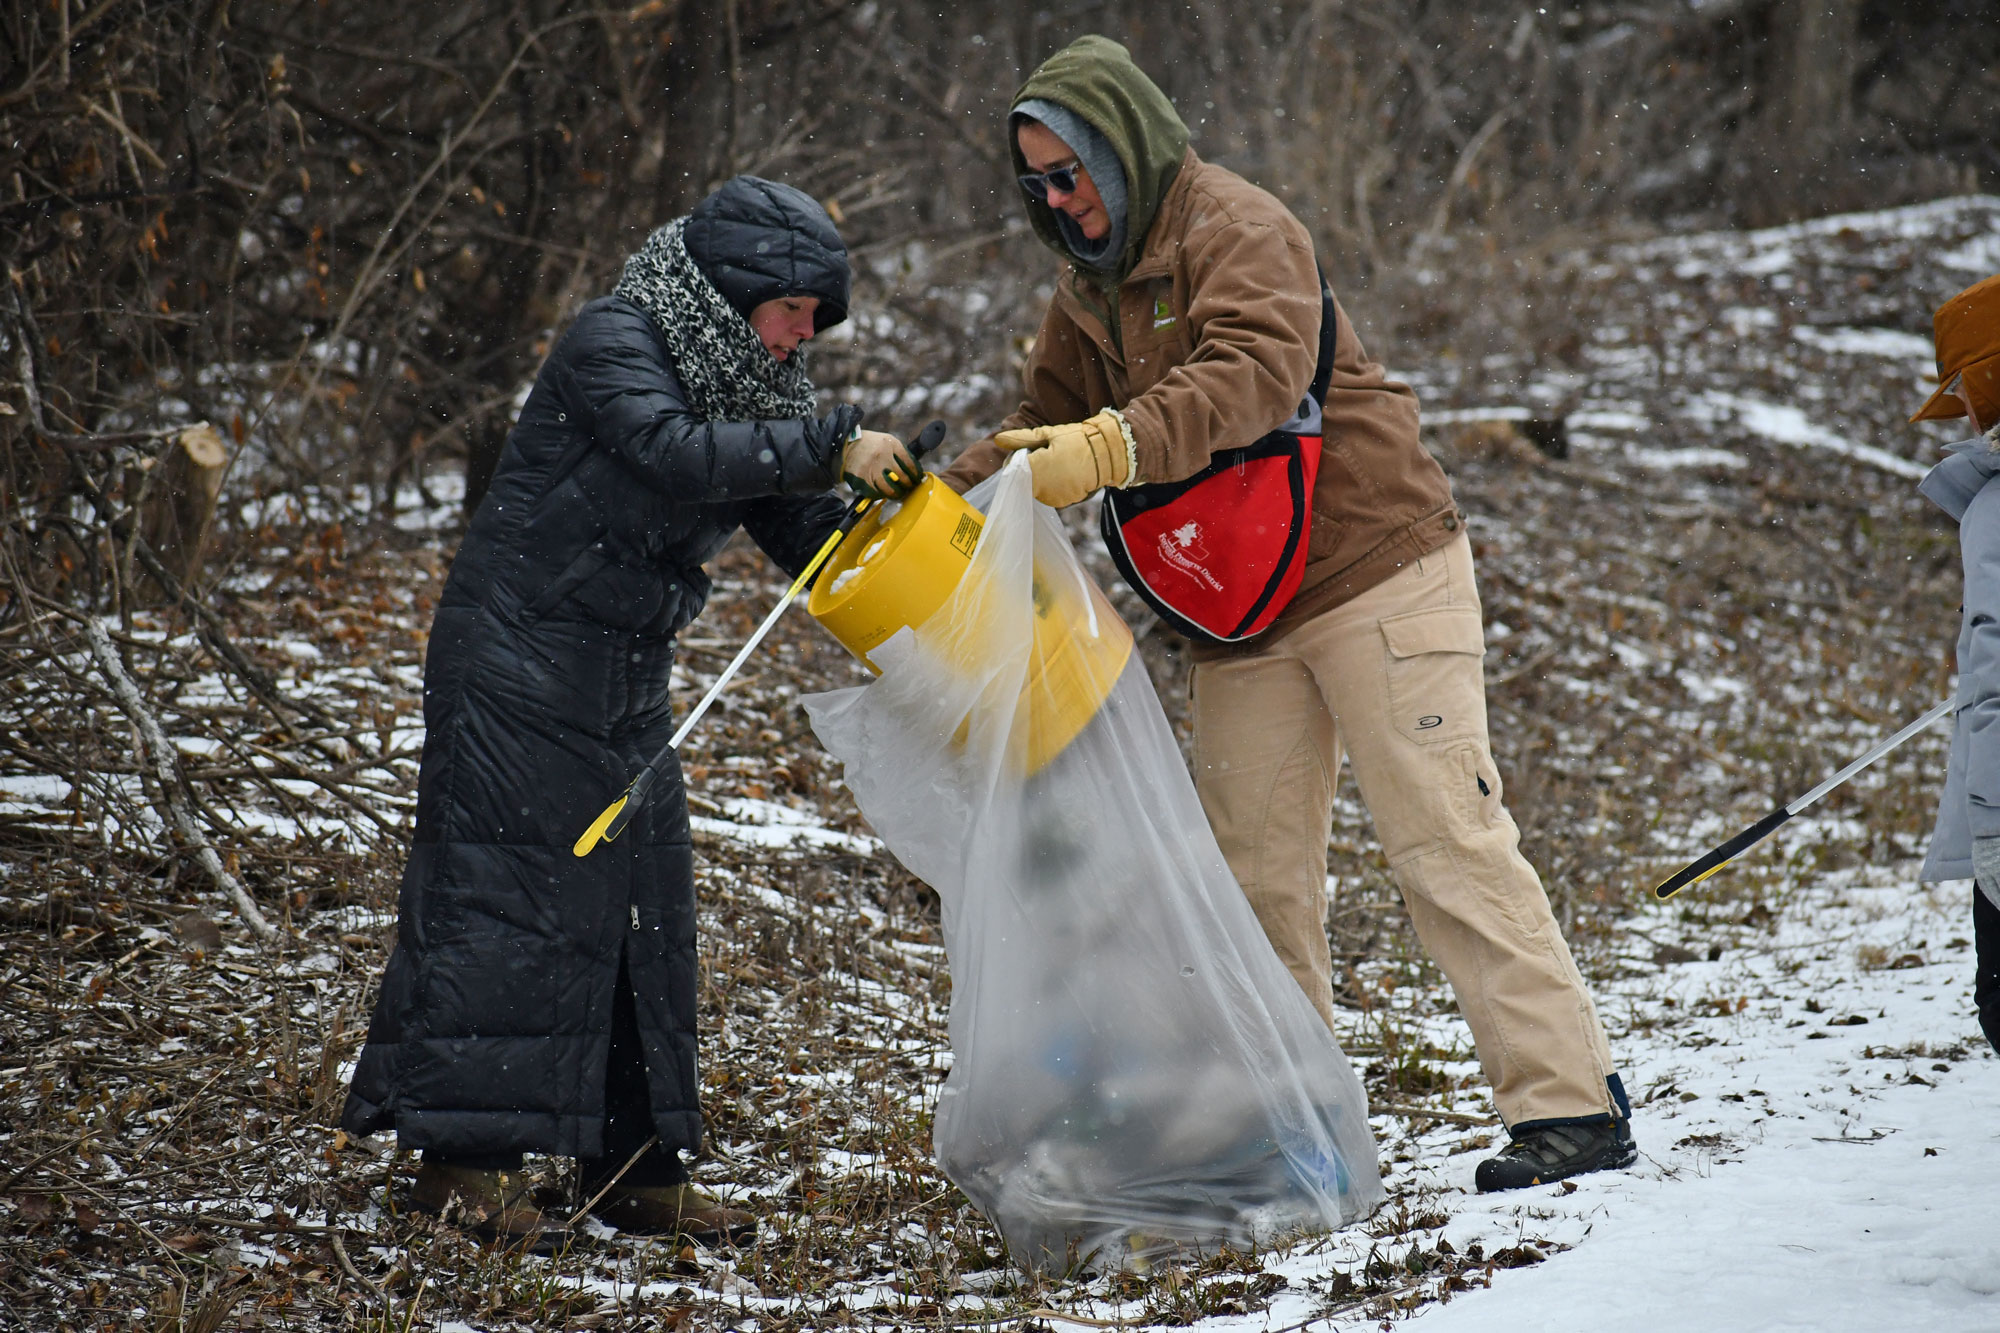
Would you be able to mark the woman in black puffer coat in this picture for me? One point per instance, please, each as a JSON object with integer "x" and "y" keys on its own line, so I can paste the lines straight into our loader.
{"x": 536, "y": 1001}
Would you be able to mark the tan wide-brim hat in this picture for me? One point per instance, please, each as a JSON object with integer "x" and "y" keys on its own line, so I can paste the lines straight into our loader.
{"x": 1967, "y": 330}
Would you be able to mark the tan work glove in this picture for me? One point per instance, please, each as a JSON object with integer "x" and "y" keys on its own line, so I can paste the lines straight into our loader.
{"x": 878, "y": 466}
{"x": 1074, "y": 460}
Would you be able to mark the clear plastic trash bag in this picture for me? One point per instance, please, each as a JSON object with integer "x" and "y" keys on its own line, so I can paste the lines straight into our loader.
{"x": 1134, "y": 1071}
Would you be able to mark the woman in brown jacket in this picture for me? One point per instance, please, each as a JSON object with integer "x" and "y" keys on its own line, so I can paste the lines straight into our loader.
{"x": 1189, "y": 323}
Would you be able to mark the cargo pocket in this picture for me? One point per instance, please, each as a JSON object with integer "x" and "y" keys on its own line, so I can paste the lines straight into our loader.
{"x": 1476, "y": 790}
{"x": 1437, "y": 692}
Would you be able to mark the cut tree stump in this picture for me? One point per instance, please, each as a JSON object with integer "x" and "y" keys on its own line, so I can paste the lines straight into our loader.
{"x": 179, "y": 506}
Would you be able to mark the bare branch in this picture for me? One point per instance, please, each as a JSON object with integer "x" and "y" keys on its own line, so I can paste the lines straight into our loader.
{"x": 173, "y": 801}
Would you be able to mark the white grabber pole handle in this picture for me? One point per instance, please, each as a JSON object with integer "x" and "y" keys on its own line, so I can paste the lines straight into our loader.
{"x": 1699, "y": 869}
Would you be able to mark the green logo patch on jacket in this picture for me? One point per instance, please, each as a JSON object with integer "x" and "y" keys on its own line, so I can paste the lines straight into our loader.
{"x": 1163, "y": 313}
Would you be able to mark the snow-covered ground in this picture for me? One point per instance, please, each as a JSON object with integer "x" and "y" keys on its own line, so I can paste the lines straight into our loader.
{"x": 1820, "y": 1145}
{"x": 1819, "y": 1148}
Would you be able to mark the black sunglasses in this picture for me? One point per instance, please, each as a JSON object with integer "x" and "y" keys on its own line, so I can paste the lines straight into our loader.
{"x": 1038, "y": 183}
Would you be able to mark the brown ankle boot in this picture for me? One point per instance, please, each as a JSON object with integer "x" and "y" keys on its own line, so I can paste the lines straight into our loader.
{"x": 665, "y": 1210}
{"x": 493, "y": 1205}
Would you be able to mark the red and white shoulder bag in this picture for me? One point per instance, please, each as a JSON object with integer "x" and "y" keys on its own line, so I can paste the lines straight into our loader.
{"x": 1220, "y": 554}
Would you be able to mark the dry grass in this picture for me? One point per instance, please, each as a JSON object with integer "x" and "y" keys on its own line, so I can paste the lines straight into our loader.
{"x": 1684, "y": 646}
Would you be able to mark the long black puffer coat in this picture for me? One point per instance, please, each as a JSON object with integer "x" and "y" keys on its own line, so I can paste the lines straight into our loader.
{"x": 545, "y": 691}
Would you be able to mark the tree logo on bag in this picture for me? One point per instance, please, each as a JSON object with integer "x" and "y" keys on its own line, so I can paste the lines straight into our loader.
{"x": 1184, "y": 549}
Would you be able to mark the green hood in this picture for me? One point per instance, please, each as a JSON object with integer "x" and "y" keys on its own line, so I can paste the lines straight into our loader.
{"x": 1095, "y": 78}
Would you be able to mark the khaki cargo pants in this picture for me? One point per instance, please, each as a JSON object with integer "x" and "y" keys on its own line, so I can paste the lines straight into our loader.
{"x": 1393, "y": 679}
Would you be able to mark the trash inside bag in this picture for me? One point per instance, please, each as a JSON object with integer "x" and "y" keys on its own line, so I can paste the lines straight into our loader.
{"x": 1134, "y": 1071}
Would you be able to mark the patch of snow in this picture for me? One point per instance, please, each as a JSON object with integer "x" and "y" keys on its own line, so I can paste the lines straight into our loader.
{"x": 988, "y": 1281}
{"x": 32, "y": 791}
{"x": 948, "y": 397}
{"x": 1892, "y": 343}
{"x": 767, "y": 897}
{"x": 1609, "y": 420}
{"x": 1672, "y": 458}
{"x": 839, "y": 1159}
{"x": 1452, "y": 416}
{"x": 1747, "y": 319}
{"x": 1621, "y": 362}
{"x": 1711, "y": 689}
{"x": 1631, "y": 654}
{"x": 1910, "y": 223}
{"x": 1776, "y": 259}
{"x": 1980, "y": 255}
{"x": 355, "y": 920}
{"x": 751, "y": 810}
{"x": 285, "y": 829}
{"x": 317, "y": 964}
{"x": 1799, "y": 1169}
{"x": 768, "y": 824}
{"x": 1783, "y": 424}
{"x": 344, "y": 356}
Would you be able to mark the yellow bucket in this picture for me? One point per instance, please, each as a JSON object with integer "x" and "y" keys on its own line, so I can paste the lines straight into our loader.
{"x": 888, "y": 575}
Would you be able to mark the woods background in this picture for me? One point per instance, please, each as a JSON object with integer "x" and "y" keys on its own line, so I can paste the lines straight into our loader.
{"x": 342, "y": 233}
{"x": 302, "y": 259}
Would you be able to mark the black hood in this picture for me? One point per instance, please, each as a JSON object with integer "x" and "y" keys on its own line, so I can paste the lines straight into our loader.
{"x": 757, "y": 240}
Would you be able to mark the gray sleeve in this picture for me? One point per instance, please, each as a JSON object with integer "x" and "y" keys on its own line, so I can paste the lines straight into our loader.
{"x": 1979, "y": 661}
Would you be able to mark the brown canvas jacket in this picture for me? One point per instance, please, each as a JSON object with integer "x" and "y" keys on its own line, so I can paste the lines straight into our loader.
{"x": 1217, "y": 334}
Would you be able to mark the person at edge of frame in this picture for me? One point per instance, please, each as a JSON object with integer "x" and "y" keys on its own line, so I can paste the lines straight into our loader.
{"x": 1966, "y": 841}
{"x": 1188, "y": 322}
{"x": 537, "y": 1001}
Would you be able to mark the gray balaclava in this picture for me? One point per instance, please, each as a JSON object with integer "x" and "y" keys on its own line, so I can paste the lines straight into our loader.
{"x": 1101, "y": 161}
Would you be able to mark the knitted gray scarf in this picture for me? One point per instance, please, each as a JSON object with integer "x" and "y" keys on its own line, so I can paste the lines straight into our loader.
{"x": 725, "y": 368}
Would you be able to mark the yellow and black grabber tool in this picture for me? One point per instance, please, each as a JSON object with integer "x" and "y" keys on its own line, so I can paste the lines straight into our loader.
{"x": 618, "y": 814}
{"x": 1694, "y": 872}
